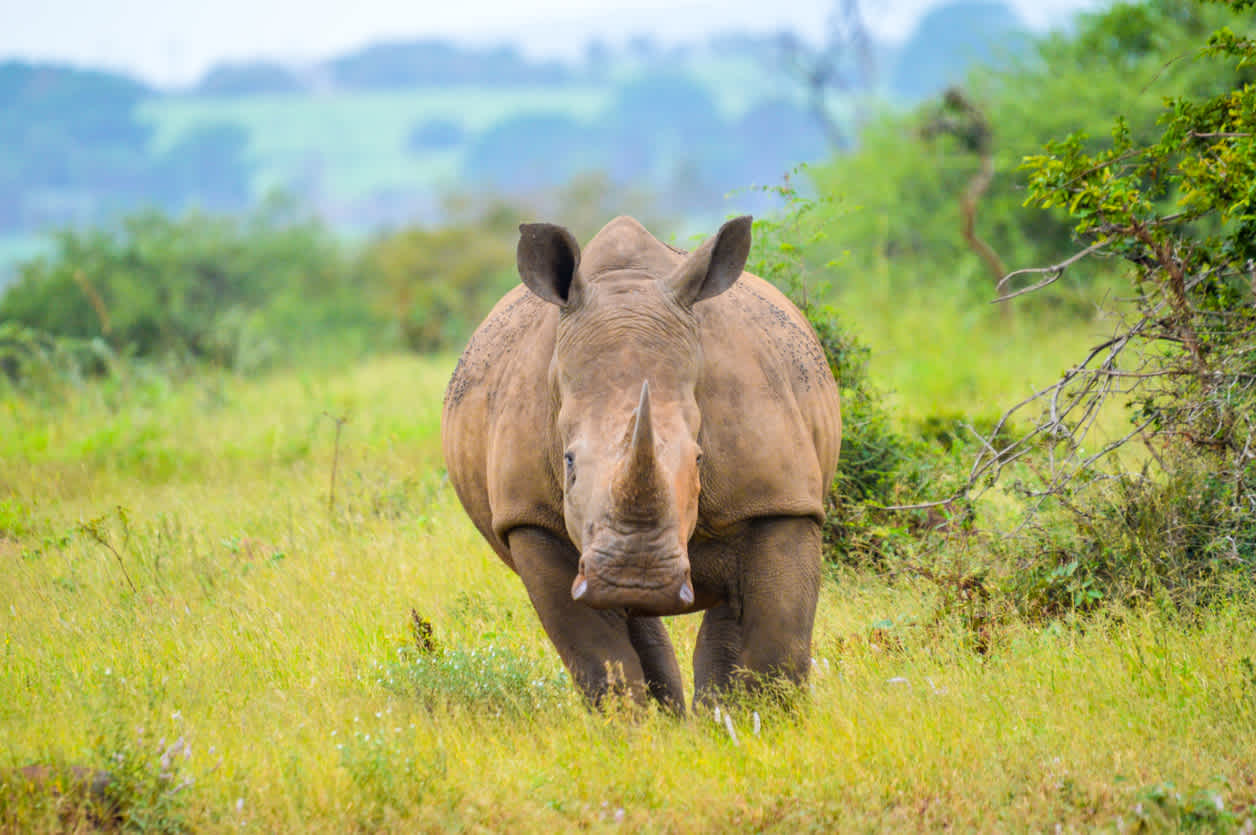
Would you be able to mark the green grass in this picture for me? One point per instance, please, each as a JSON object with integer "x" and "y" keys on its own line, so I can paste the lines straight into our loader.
{"x": 172, "y": 570}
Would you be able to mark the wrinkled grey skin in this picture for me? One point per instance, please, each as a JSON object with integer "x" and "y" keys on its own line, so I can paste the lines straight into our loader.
{"x": 641, "y": 432}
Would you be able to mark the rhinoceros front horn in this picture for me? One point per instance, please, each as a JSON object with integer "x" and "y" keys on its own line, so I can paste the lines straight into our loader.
{"x": 638, "y": 477}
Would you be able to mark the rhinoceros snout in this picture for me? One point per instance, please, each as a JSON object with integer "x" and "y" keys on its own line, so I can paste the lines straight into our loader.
{"x": 662, "y": 588}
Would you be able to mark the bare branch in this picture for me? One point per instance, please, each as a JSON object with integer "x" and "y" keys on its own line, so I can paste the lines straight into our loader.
{"x": 1220, "y": 135}
{"x": 1054, "y": 272}
{"x": 920, "y": 506}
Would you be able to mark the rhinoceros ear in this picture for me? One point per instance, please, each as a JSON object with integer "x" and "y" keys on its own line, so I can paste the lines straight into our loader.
{"x": 547, "y": 257}
{"x": 713, "y": 267}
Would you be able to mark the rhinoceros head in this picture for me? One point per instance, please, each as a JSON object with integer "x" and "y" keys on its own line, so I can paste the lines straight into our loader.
{"x": 626, "y": 364}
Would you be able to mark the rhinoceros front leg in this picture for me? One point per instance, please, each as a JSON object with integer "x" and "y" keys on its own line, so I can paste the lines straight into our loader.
{"x": 603, "y": 649}
{"x": 765, "y": 628}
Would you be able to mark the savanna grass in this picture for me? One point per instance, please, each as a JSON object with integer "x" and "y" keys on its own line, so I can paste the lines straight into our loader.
{"x": 175, "y": 574}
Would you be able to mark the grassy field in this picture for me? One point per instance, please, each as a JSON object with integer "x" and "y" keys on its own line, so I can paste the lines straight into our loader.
{"x": 185, "y": 605}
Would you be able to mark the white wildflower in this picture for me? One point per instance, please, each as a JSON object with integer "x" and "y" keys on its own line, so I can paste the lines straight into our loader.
{"x": 728, "y": 726}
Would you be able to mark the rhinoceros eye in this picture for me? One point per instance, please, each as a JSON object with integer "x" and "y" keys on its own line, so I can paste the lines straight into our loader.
{"x": 569, "y": 461}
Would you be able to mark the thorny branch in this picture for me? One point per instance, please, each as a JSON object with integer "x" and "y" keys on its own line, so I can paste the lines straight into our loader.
{"x": 1072, "y": 404}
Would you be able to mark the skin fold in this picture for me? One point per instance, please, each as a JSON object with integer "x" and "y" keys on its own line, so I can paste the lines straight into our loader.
{"x": 641, "y": 432}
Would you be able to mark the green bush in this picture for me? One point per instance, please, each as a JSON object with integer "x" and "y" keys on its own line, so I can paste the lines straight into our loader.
{"x": 880, "y": 466}
{"x": 436, "y": 283}
{"x": 232, "y": 291}
{"x": 911, "y": 170}
{"x": 44, "y": 362}
{"x": 1177, "y": 539}
{"x": 1178, "y": 206}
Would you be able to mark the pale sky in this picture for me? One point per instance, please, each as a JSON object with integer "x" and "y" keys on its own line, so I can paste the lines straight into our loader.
{"x": 173, "y": 42}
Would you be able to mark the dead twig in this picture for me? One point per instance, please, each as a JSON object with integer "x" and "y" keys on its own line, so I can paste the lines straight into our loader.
{"x": 93, "y": 530}
{"x": 340, "y": 421}
{"x": 1053, "y": 273}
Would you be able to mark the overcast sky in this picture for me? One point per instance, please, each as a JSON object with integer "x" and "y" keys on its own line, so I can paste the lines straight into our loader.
{"x": 173, "y": 42}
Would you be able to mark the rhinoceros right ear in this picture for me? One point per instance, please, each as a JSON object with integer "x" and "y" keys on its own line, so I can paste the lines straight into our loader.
{"x": 713, "y": 267}
{"x": 548, "y": 256}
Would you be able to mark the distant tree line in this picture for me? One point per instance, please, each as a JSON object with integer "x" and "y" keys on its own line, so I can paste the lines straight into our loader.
{"x": 946, "y": 41}
{"x": 663, "y": 130}
{"x": 73, "y": 148}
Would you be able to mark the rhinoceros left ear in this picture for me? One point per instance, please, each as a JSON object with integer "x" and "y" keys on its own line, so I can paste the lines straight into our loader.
{"x": 547, "y": 257}
{"x": 713, "y": 267}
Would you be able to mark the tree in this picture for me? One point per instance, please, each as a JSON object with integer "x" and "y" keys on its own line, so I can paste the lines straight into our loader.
{"x": 1180, "y": 209}
{"x": 1129, "y": 55}
{"x": 951, "y": 38}
{"x": 209, "y": 166}
{"x": 845, "y": 65}
{"x": 248, "y": 78}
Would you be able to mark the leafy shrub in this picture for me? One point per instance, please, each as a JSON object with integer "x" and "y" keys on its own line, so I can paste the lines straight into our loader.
{"x": 880, "y": 466}
{"x": 491, "y": 678}
{"x": 436, "y": 283}
{"x": 219, "y": 289}
{"x": 1180, "y": 210}
{"x": 1176, "y": 538}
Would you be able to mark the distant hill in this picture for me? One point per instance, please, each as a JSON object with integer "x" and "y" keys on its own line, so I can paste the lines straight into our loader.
{"x": 437, "y": 63}
{"x": 72, "y": 149}
{"x": 950, "y": 39}
{"x": 379, "y": 134}
{"x": 234, "y": 79}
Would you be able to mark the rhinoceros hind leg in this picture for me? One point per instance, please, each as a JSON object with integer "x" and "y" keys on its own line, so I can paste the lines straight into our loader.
{"x": 594, "y": 644}
{"x": 716, "y": 654}
{"x": 767, "y": 631}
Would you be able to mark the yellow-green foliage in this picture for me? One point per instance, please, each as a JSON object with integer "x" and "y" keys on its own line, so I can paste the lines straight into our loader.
{"x": 437, "y": 282}
{"x": 181, "y": 607}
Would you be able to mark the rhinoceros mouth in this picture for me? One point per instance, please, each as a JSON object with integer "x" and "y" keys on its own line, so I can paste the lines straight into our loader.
{"x": 601, "y": 591}
{"x": 635, "y": 586}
